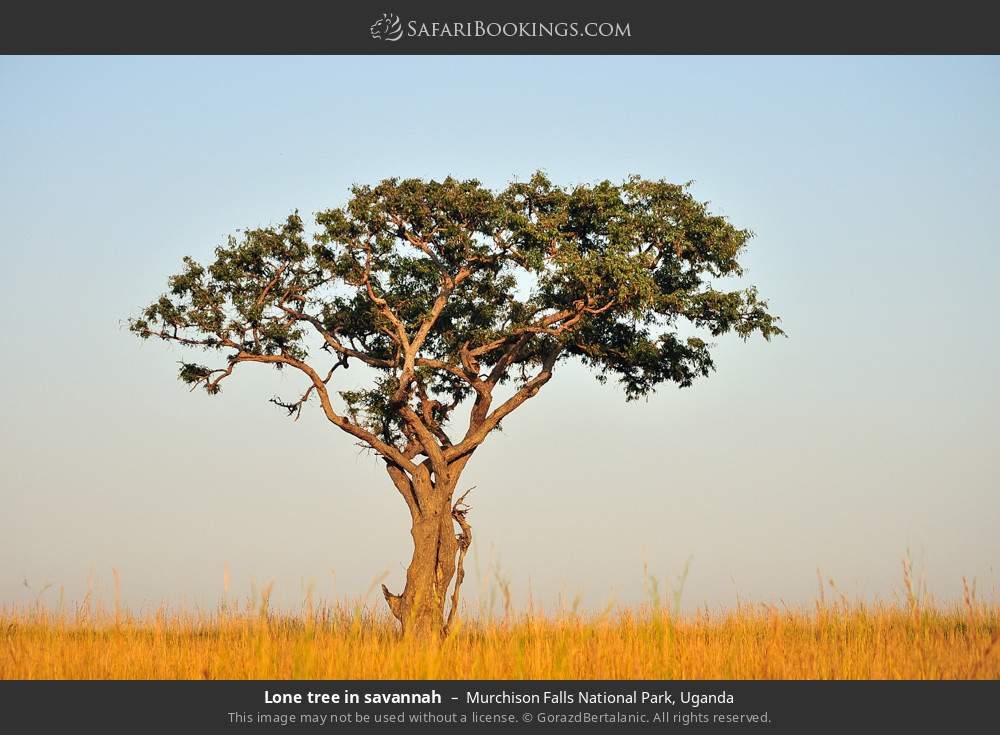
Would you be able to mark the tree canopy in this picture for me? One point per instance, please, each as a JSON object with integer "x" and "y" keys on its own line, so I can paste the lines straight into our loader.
{"x": 446, "y": 289}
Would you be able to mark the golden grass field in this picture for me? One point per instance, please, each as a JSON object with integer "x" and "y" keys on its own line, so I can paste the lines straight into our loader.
{"x": 910, "y": 639}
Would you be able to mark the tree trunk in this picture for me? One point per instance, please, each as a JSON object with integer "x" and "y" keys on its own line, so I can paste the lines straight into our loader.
{"x": 420, "y": 608}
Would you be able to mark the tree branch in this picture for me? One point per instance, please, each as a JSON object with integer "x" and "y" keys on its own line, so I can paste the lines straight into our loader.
{"x": 464, "y": 539}
{"x": 477, "y": 434}
{"x": 340, "y": 421}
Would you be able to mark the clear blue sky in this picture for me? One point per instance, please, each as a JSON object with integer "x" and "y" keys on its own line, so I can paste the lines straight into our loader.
{"x": 871, "y": 185}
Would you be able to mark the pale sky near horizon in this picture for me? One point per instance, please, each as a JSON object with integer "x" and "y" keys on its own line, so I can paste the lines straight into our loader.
{"x": 871, "y": 184}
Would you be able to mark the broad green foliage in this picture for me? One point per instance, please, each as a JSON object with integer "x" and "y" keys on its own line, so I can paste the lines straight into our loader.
{"x": 438, "y": 284}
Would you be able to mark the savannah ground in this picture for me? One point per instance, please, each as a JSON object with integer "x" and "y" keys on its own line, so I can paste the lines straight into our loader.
{"x": 910, "y": 638}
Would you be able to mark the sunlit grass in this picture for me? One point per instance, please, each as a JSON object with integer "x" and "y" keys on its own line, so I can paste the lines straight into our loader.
{"x": 911, "y": 639}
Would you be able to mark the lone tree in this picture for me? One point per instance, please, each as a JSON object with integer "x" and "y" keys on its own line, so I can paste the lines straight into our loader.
{"x": 452, "y": 294}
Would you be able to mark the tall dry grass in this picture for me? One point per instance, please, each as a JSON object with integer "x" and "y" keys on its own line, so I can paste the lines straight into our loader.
{"x": 833, "y": 639}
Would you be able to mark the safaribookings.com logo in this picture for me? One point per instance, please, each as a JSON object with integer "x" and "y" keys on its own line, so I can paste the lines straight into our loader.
{"x": 390, "y": 28}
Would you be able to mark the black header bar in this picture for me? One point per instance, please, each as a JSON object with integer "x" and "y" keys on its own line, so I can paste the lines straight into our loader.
{"x": 509, "y": 27}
